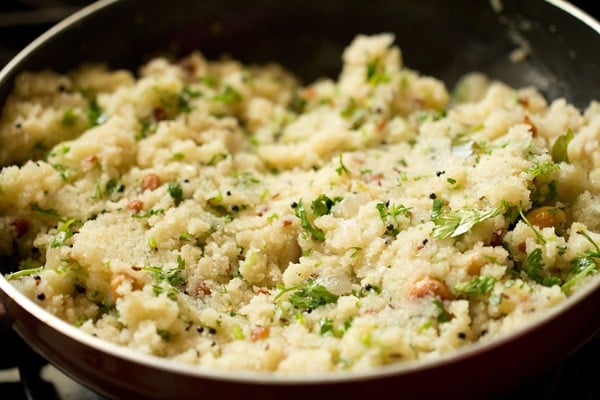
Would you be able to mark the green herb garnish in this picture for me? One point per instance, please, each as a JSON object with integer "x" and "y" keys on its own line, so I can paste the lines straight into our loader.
{"x": 164, "y": 335}
{"x": 184, "y": 97}
{"x": 478, "y": 286}
{"x": 114, "y": 186}
{"x": 175, "y": 191}
{"x": 534, "y": 267}
{"x": 459, "y": 222}
{"x": 582, "y": 266}
{"x": 173, "y": 277}
{"x": 365, "y": 290}
{"x": 537, "y": 233}
{"x": 228, "y": 96}
{"x": 308, "y": 296}
{"x": 297, "y": 103}
{"x": 245, "y": 178}
{"x": 342, "y": 168}
{"x": 327, "y": 327}
{"x": 322, "y": 205}
{"x": 389, "y": 214}
{"x": 442, "y": 314}
{"x": 375, "y": 75}
{"x": 65, "y": 231}
{"x": 148, "y": 213}
{"x": 93, "y": 112}
{"x": 69, "y": 117}
{"x": 63, "y": 171}
{"x": 543, "y": 169}
{"x": 47, "y": 212}
{"x": 23, "y": 272}
{"x": 300, "y": 212}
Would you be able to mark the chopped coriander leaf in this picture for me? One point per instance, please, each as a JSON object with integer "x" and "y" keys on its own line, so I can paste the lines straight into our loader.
{"x": 146, "y": 128}
{"x": 297, "y": 103}
{"x": 459, "y": 222}
{"x": 375, "y": 74}
{"x": 148, "y": 213}
{"x": 246, "y": 178}
{"x": 228, "y": 96}
{"x": 355, "y": 251}
{"x": 65, "y": 231}
{"x": 371, "y": 70}
{"x": 443, "y": 314}
{"x": 93, "y": 112}
{"x": 327, "y": 327}
{"x": 23, "y": 272}
{"x": 365, "y": 290}
{"x": 537, "y": 233}
{"x": 543, "y": 169}
{"x": 69, "y": 117}
{"x": 48, "y": 212}
{"x": 61, "y": 150}
{"x": 308, "y": 296}
{"x": 114, "y": 186}
{"x": 354, "y": 114}
{"x": 534, "y": 264}
{"x": 63, "y": 171}
{"x": 175, "y": 191}
{"x": 184, "y": 97}
{"x": 216, "y": 158}
{"x": 436, "y": 209}
{"x": 389, "y": 215}
{"x": 209, "y": 80}
{"x": 164, "y": 335}
{"x": 350, "y": 109}
{"x": 342, "y": 168}
{"x": 478, "y": 286}
{"x": 591, "y": 253}
{"x": 559, "y": 149}
{"x": 322, "y": 205}
{"x": 186, "y": 236}
{"x": 580, "y": 268}
{"x": 172, "y": 276}
{"x": 534, "y": 267}
{"x": 300, "y": 212}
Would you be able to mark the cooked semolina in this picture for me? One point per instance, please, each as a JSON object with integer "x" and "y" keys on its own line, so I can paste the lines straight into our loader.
{"x": 227, "y": 216}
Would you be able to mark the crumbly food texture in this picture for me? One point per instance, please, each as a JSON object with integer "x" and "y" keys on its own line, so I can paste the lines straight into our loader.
{"x": 227, "y": 216}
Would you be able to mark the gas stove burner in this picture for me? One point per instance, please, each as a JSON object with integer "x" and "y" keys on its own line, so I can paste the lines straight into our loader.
{"x": 24, "y": 375}
{"x": 25, "y": 366}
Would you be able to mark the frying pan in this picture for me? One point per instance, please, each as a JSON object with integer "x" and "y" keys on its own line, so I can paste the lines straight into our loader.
{"x": 438, "y": 37}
